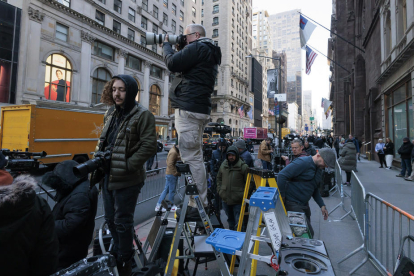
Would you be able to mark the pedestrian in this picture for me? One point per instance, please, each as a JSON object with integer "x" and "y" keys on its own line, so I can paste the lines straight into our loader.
{"x": 319, "y": 143}
{"x": 347, "y": 161}
{"x": 359, "y": 148}
{"x": 171, "y": 178}
{"x": 231, "y": 181}
{"x": 244, "y": 153}
{"x": 379, "y": 149}
{"x": 341, "y": 145}
{"x": 411, "y": 177}
{"x": 405, "y": 153}
{"x": 250, "y": 146}
{"x": 74, "y": 212}
{"x": 299, "y": 181}
{"x": 28, "y": 240}
{"x": 309, "y": 149}
{"x": 389, "y": 152}
{"x": 336, "y": 145}
{"x": 351, "y": 138}
{"x": 264, "y": 154}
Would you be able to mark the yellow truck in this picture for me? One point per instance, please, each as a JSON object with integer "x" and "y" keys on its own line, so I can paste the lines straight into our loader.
{"x": 285, "y": 131}
{"x": 64, "y": 134}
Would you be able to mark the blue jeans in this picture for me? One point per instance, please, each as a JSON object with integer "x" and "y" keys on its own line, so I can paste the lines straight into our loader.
{"x": 119, "y": 208}
{"x": 170, "y": 186}
{"x": 267, "y": 165}
{"x": 233, "y": 214}
{"x": 406, "y": 165}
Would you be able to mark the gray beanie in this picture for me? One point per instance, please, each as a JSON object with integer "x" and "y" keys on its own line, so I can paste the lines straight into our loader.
{"x": 241, "y": 144}
{"x": 328, "y": 156}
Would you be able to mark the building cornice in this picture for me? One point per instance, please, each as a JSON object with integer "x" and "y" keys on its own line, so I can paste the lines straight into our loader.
{"x": 92, "y": 23}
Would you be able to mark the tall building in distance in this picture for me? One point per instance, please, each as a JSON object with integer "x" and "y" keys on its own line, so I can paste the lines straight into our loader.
{"x": 284, "y": 30}
{"x": 229, "y": 24}
{"x": 307, "y": 109}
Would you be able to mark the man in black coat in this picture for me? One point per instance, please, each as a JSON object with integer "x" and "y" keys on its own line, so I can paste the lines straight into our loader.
{"x": 28, "y": 241}
{"x": 405, "y": 152}
{"x": 319, "y": 143}
{"x": 74, "y": 212}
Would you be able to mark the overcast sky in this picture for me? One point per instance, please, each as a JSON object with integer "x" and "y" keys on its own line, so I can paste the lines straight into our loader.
{"x": 319, "y": 10}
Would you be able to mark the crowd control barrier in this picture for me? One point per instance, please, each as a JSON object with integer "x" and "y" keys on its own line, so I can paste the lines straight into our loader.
{"x": 384, "y": 227}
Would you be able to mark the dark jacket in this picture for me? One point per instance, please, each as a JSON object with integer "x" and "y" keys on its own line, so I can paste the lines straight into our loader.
{"x": 231, "y": 179}
{"x": 198, "y": 64}
{"x": 405, "y": 150}
{"x": 299, "y": 181}
{"x": 28, "y": 241}
{"x": 135, "y": 142}
{"x": 348, "y": 159}
{"x": 249, "y": 146}
{"x": 217, "y": 159}
{"x": 336, "y": 143}
{"x": 319, "y": 143}
{"x": 247, "y": 158}
{"x": 310, "y": 151}
{"x": 389, "y": 149}
{"x": 74, "y": 212}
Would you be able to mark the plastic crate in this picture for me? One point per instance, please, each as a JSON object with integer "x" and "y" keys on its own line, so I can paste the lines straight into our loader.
{"x": 226, "y": 241}
{"x": 265, "y": 198}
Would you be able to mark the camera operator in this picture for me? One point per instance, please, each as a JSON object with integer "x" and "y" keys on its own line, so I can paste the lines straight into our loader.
{"x": 218, "y": 156}
{"x": 190, "y": 95}
{"x": 129, "y": 135}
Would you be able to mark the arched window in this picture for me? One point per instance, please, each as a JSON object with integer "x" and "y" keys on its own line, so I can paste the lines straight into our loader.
{"x": 401, "y": 19}
{"x": 99, "y": 78}
{"x": 58, "y": 78}
{"x": 155, "y": 98}
{"x": 229, "y": 121}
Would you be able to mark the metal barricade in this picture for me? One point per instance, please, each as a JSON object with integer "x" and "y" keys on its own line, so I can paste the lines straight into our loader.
{"x": 357, "y": 202}
{"x": 385, "y": 226}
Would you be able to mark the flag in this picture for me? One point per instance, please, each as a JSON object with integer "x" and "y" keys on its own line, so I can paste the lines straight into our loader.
{"x": 310, "y": 58}
{"x": 326, "y": 105}
{"x": 305, "y": 28}
{"x": 241, "y": 111}
{"x": 323, "y": 100}
{"x": 250, "y": 113}
{"x": 271, "y": 112}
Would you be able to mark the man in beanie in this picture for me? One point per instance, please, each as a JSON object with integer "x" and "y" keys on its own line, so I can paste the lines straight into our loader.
{"x": 244, "y": 153}
{"x": 74, "y": 212}
{"x": 217, "y": 158}
{"x": 5, "y": 176}
{"x": 231, "y": 180}
{"x": 299, "y": 181}
{"x": 129, "y": 136}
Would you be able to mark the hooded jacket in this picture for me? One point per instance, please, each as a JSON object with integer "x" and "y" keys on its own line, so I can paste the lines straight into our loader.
{"x": 28, "y": 241}
{"x": 231, "y": 179}
{"x": 198, "y": 64}
{"x": 264, "y": 151}
{"x": 348, "y": 159}
{"x": 249, "y": 146}
{"x": 135, "y": 141}
{"x": 74, "y": 212}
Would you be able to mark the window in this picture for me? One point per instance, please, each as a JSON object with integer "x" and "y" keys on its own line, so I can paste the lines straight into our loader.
{"x": 143, "y": 41}
{"x": 181, "y": 16}
{"x": 165, "y": 19}
{"x": 99, "y": 78}
{"x": 194, "y": 1}
{"x": 102, "y": 1}
{"x": 131, "y": 34}
{"x": 62, "y": 32}
{"x": 117, "y": 27}
{"x": 103, "y": 50}
{"x": 215, "y": 33}
{"x": 154, "y": 29}
{"x": 144, "y": 22}
{"x": 182, "y": 2}
{"x": 193, "y": 11}
{"x": 155, "y": 99}
{"x": 65, "y": 2}
{"x": 100, "y": 17}
{"x": 166, "y": 3}
{"x": 202, "y": 12}
{"x": 202, "y": 22}
{"x": 131, "y": 15}
{"x": 145, "y": 5}
{"x": 181, "y": 30}
{"x": 400, "y": 113}
{"x": 215, "y": 21}
{"x": 156, "y": 71}
{"x": 134, "y": 63}
{"x": 173, "y": 26}
{"x": 155, "y": 11}
{"x": 174, "y": 9}
{"x": 154, "y": 48}
{"x": 58, "y": 78}
{"x": 118, "y": 6}
{"x": 215, "y": 8}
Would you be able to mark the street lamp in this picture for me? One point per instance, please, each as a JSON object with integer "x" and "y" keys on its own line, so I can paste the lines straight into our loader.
{"x": 277, "y": 117}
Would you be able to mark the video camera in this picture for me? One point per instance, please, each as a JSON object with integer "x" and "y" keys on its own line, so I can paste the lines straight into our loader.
{"x": 220, "y": 128}
{"x": 22, "y": 161}
{"x": 101, "y": 160}
{"x": 179, "y": 40}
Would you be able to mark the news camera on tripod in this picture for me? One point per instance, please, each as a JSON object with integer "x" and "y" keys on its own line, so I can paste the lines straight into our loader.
{"x": 195, "y": 66}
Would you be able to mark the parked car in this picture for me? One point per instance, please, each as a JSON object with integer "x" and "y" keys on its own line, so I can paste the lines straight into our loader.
{"x": 169, "y": 144}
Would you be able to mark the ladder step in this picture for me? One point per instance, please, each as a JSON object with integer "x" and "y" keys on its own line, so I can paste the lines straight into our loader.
{"x": 226, "y": 241}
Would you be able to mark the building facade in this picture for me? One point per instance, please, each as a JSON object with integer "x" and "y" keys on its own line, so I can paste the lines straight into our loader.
{"x": 229, "y": 24}
{"x": 306, "y": 110}
{"x": 71, "y": 48}
{"x": 293, "y": 117}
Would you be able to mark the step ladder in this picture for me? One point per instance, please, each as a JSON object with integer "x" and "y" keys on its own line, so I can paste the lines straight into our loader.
{"x": 182, "y": 231}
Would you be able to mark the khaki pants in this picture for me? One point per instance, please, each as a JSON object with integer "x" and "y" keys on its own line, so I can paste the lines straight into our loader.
{"x": 190, "y": 129}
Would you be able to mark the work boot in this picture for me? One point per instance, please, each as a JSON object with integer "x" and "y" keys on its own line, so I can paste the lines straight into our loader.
{"x": 124, "y": 267}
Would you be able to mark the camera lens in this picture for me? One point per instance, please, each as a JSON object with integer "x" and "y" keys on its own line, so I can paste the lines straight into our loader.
{"x": 154, "y": 38}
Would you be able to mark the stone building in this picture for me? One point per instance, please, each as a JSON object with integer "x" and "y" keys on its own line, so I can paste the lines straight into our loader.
{"x": 69, "y": 49}
{"x": 374, "y": 99}
{"x": 229, "y": 24}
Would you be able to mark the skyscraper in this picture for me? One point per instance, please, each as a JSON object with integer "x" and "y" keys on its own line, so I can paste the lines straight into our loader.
{"x": 307, "y": 109}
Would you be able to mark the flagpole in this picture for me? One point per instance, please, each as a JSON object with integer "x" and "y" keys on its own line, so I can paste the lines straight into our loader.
{"x": 327, "y": 57}
{"x": 333, "y": 32}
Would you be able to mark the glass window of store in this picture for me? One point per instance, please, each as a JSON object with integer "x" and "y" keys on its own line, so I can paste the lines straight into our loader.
{"x": 58, "y": 78}
{"x": 99, "y": 78}
{"x": 155, "y": 100}
{"x": 400, "y": 114}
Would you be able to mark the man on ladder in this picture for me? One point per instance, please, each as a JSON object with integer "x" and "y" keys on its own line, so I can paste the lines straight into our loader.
{"x": 298, "y": 182}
